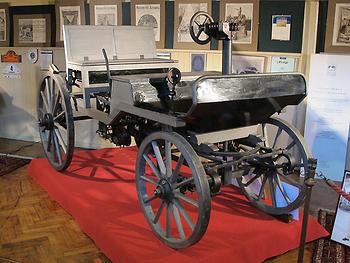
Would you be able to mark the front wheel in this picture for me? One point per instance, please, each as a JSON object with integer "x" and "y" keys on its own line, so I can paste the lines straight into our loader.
{"x": 172, "y": 189}
{"x": 55, "y": 119}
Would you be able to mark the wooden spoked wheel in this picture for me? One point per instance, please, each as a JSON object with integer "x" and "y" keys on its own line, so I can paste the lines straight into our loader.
{"x": 172, "y": 189}
{"x": 55, "y": 118}
{"x": 277, "y": 191}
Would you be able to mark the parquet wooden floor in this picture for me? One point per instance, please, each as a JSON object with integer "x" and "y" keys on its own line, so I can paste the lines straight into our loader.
{"x": 35, "y": 229}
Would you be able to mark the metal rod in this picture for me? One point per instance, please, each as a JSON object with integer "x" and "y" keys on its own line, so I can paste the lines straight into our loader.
{"x": 227, "y": 57}
{"x": 309, "y": 182}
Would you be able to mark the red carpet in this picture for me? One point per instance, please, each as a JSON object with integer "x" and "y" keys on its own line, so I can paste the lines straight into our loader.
{"x": 99, "y": 191}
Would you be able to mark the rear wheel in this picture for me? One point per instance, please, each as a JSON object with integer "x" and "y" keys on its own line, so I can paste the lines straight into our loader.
{"x": 276, "y": 191}
{"x": 55, "y": 118}
{"x": 173, "y": 189}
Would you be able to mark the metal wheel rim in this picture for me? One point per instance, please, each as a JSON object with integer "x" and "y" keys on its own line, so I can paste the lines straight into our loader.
{"x": 297, "y": 141}
{"x": 59, "y": 145}
{"x": 173, "y": 209}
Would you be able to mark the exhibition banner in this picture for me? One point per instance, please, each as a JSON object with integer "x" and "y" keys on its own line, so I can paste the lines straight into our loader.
{"x": 328, "y": 113}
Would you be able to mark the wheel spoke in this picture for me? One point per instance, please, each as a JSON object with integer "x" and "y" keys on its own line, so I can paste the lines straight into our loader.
{"x": 168, "y": 160}
{"x": 289, "y": 180}
{"x": 290, "y": 145}
{"x": 272, "y": 191}
{"x": 184, "y": 213}
{"x": 159, "y": 212}
{"x": 48, "y": 93}
{"x": 199, "y": 33}
{"x": 57, "y": 149}
{"x": 60, "y": 139}
{"x": 151, "y": 164}
{"x": 168, "y": 220}
{"x": 159, "y": 158}
{"x": 149, "y": 180}
{"x": 56, "y": 103}
{"x": 49, "y": 141}
{"x": 281, "y": 188}
{"x": 261, "y": 192}
{"x": 149, "y": 199}
{"x": 184, "y": 182}
{"x": 45, "y": 101}
{"x": 178, "y": 222}
{"x": 197, "y": 23}
{"x": 278, "y": 133}
{"x": 176, "y": 172}
{"x": 186, "y": 199}
{"x": 58, "y": 116}
{"x": 264, "y": 133}
{"x": 53, "y": 95}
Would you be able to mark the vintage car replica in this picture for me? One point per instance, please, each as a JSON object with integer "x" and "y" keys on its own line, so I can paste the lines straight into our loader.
{"x": 194, "y": 132}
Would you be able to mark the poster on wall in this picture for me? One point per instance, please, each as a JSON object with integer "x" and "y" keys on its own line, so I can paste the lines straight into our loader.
{"x": 341, "y": 29}
{"x": 247, "y": 64}
{"x": 281, "y": 27}
{"x": 149, "y": 15}
{"x": 186, "y": 11}
{"x": 106, "y": 15}
{"x": 341, "y": 228}
{"x": 242, "y": 15}
{"x": 69, "y": 15}
{"x": 282, "y": 64}
{"x": 2, "y": 25}
{"x": 32, "y": 30}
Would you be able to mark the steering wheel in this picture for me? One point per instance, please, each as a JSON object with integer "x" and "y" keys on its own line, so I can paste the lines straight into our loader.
{"x": 197, "y": 28}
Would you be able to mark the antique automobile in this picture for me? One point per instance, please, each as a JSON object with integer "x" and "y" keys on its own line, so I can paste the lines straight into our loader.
{"x": 194, "y": 131}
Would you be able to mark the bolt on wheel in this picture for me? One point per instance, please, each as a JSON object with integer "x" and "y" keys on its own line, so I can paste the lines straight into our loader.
{"x": 172, "y": 189}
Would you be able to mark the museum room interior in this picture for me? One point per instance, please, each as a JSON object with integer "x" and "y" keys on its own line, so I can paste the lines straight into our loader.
{"x": 174, "y": 130}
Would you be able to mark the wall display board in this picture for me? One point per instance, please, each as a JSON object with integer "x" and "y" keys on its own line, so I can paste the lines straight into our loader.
{"x": 338, "y": 26}
{"x": 328, "y": 113}
{"x": 105, "y": 12}
{"x": 68, "y": 12}
{"x": 32, "y": 30}
{"x": 294, "y": 10}
{"x": 247, "y": 64}
{"x": 150, "y": 13}
{"x": 341, "y": 228}
{"x": 4, "y": 25}
{"x": 246, "y": 15}
{"x": 184, "y": 10}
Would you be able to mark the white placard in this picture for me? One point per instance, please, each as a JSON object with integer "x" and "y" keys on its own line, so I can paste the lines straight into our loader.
{"x": 11, "y": 71}
{"x": 282, "y": 64}
{"x": 281, "y": 27}
{"x": 106, "y": 15}
{"x": 45, "y": 59}
{"x": 328, "y": 113}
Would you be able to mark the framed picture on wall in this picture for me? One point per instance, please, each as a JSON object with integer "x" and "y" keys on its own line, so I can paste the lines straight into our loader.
{"x": 247, "y": 64}
{"x": 198, "y": 62}
{"x": 4, "y": 25}
{"x": 246, "y": 15}
{"x": 105, "y": 12}
{"x": 184, "y": 10}
{"x": 338, "y": 26}
{"x": 68, "y": 12}
{"x": 150, "y": 13}
{"x": 32, "y": 30}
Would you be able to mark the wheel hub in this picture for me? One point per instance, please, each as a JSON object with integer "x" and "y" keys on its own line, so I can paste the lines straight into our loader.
{"x": 164, "y": 190}
{"x": 47, "y": 121}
